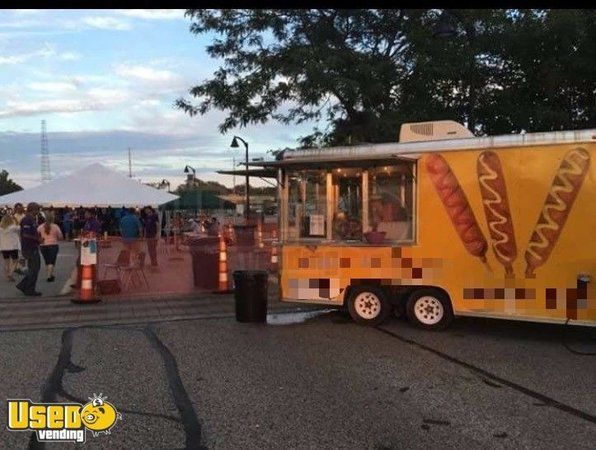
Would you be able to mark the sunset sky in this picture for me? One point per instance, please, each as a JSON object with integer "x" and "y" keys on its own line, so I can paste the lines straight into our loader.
{"x": 106, "y": 80}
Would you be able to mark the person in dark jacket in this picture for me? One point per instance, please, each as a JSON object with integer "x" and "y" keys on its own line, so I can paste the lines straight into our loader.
{"x": 150, "y": 229}
{"x": 30, "y": 247}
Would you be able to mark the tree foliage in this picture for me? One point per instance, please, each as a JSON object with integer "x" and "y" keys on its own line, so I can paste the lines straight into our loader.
{"x": 202, "y": 186}
{"x": 361, "y": 73}
{"x": 7, "y": 185}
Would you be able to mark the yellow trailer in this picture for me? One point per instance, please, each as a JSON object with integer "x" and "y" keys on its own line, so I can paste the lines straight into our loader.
{"x": 443, "y": 224}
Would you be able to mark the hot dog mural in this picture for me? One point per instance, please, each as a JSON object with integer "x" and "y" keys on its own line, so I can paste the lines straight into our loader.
{"x": 496, "y": 209}
{"x": 571, "y": 171}
{"x": 559, "y": 201}
{"x": 457, "y": 206}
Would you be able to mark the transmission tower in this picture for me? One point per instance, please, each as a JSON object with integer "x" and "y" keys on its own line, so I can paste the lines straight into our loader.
{"x": 46, "y": 175}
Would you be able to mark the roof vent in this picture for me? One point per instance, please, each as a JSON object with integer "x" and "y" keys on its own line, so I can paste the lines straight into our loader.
{"x": 433, "y": 131}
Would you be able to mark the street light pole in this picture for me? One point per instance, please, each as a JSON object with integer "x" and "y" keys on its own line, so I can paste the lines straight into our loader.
{"x": 194, "y": 174}
{"x": 234, "y": 144}
{"x": 234, "y": 175}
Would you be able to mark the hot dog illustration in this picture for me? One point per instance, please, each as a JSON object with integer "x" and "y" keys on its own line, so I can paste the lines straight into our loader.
{"x": 457, "y": 206}
{"x": 496, "y": 209}
{"x": 559, "y": 201}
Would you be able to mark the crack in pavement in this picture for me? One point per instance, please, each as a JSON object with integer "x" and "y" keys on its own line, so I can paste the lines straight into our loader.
{"x": 54, "y": 384}
{"x": 524, "y": 390}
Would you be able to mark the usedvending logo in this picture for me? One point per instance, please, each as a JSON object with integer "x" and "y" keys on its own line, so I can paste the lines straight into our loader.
{"x": 63, "y": 422}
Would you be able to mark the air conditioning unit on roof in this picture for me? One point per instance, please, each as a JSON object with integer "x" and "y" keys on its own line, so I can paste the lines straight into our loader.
{"x": 433, "y": 131}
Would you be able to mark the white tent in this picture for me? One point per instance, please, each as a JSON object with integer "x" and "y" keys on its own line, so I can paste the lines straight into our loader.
{"x": 95, "y": 185}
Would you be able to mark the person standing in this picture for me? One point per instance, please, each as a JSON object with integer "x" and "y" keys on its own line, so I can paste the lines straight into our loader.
{"x": 150, "y": 225}
{"x": 67, "y": 224}
{"x": 30, "y": 248}
{"x": 50, "y": 235}
{"x": 213, "y": 228}
{"x": 177, "y": 225}
{"x": 19, "y": 213}
{"x": 130, "y": 230}
{"x": 92, "y": 227}
{"x": 9, "y": 245}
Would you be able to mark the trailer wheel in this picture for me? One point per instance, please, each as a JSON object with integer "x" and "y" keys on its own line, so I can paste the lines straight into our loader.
{"x": 368, "y": 305}
{"x": 429, "y": 308}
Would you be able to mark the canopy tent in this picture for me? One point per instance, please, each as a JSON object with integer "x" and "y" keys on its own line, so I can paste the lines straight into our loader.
{"x": 197, "y": 199}
{"x": 94, "y": 185}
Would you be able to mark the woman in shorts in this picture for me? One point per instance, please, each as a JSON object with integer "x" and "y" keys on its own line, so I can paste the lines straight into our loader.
{"x": 9, "y": 244}
{"x": 50, "y": 234}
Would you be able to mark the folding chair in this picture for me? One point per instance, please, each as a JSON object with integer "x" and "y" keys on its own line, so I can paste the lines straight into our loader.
{"x": 129, "y": 273}
{"x": 123, "y": 260}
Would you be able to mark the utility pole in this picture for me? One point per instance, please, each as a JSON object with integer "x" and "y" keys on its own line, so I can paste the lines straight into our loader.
{"x": 129, "y": 164}
{"x": 46, "y": 175}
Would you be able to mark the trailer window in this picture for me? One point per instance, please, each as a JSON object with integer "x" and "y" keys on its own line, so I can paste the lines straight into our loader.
{"x": 307, "y": 199}
{"x": 390, "y": 201}
{"x": 347, "y": 201}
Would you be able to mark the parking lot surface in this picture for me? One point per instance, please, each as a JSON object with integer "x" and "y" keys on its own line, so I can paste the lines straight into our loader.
{"x": 320, "y": 383}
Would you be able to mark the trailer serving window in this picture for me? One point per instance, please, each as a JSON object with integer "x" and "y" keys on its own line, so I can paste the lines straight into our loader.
{"x": 341, "y": 204}
{"x": 391, "y": 201}
{"x": 347, "y": 204}
{"x": 307, "y": 198}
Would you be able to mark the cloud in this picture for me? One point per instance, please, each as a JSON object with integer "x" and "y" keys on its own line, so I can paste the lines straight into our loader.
{"x": 19, "y": 23}
{"x": 53, "y": 86}
{"x": 24, "y": 57}
{"x": 107, "y": 23}
{"x": 24, "y": 12}
{"x": 69, "y": 56}
{"x": 109, "y": 96}
{"x": 20, "y": 109}
{"x": 94, "y": 99}
{"x": 48, "y": 51}
{"x": 144, "y": 73}
{"x": 13, "y": 59}
{"x": 153, "y": 14}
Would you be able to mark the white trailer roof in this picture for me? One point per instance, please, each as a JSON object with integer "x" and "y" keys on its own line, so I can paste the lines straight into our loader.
{"x": 412, "y": 150}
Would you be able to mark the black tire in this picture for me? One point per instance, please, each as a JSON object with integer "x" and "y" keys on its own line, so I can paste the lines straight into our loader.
{"x": 368, "y": 311}
{"x": 429, "y": 308}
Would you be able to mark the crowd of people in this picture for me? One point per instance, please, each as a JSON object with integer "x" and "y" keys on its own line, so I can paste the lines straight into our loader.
{"x": 27, "y": 234}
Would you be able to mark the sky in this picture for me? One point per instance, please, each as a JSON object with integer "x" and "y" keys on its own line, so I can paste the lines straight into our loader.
{"x": 105, "y": 81}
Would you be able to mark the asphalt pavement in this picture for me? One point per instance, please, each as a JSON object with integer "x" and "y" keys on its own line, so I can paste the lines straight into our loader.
{"x": 314, "y": 381}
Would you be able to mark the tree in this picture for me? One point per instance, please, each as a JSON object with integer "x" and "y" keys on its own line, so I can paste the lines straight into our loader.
{"x": 202, "y": 186}
{"x": 7, "y": 185}
{"x": 363, "y": 72}
{"x": 299, "y": 65}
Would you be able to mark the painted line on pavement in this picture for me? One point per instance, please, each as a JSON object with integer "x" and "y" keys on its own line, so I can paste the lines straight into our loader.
{"x": 524, "y": 390}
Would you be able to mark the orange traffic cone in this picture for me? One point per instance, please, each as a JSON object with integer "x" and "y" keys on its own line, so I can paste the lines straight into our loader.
{"x": 87, "y": 289}
{"x": 223, "y": 287}
{"x": 274, "y": 261}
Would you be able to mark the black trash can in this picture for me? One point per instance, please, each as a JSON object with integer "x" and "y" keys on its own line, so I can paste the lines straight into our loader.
{"x": 250, "y": 294}
{"x": 205, "y": 261}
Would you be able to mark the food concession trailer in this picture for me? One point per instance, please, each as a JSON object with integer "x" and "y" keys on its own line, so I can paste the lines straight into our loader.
{"x": 442, "y": 224}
